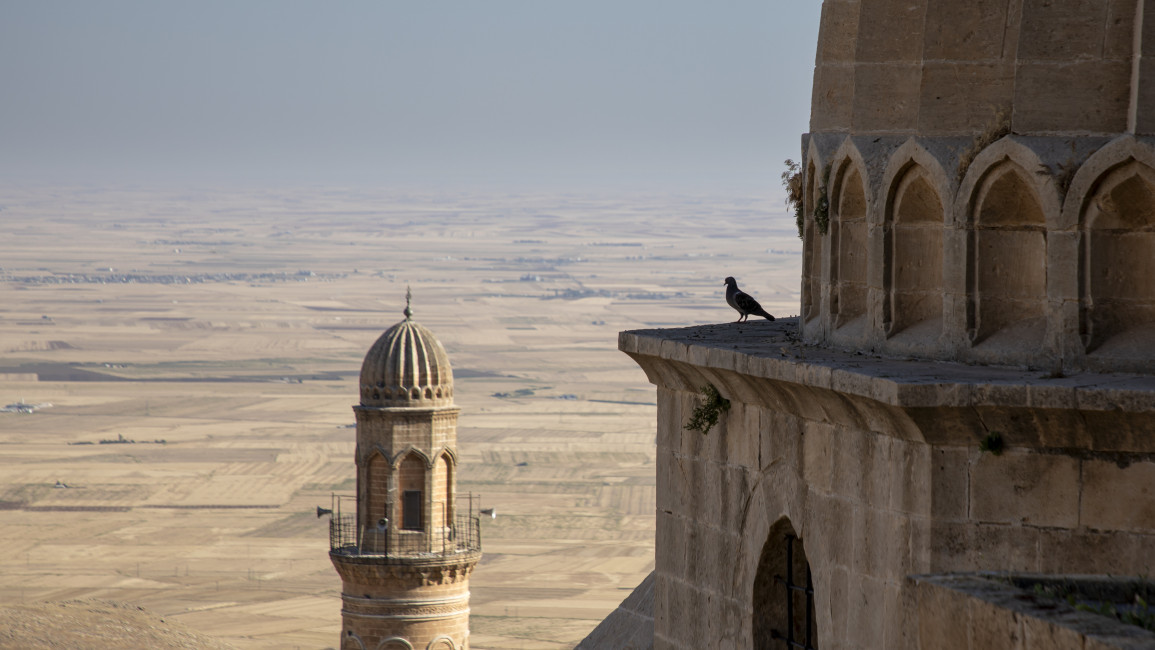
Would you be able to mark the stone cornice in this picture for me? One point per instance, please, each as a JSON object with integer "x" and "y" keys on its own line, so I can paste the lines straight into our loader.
{"x": 765, "y": 363}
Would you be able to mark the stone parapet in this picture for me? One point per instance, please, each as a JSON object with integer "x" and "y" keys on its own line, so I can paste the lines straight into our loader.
{"x": 984, "y": 611}
{"x": 767, "y": 364}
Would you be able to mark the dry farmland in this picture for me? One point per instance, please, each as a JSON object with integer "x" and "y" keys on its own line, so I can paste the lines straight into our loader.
{"x": 200, "y": 352}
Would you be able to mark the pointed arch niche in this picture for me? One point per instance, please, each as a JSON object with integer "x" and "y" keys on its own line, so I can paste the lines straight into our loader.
{"x": 914, "y": 256}
{"x": 1119, "y": 264}
{"x": 377, "y": 476}
{"x": 783, "y": 598}
{"x": 1009, "y": 262}
{"x": 849, "y": 241}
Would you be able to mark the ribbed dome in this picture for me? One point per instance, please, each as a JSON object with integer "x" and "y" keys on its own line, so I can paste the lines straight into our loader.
{"x": 406, "y": 367}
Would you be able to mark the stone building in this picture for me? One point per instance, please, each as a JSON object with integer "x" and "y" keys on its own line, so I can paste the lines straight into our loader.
{"x": 406, "y": 554}
{"x": 964, "y": 411}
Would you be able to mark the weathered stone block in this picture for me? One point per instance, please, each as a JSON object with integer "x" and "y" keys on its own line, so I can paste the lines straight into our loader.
{"x": 839, "y": 25}
{"x": 952, "y": 547}
{"x": 1118, "y": 498}
{"x": 890, "y": 31}
{"x": 849, "y": 462}
{"x": 1089, "y": 551}
{"x": 1081, "y": 97}
{"x": 1039, "y": 634}
{"x": 886, "y": 98}
{"x": 909, "y": 475}
{"x": 942, "y": 618}
{"x": 963, "y": 97}
{"x": 949, "y": 483}
{"x": 840, "y": 604}
{"x": 1062, "y": 265}
{"x": 964, "y": 31}
{"x": 1038, "y": 489}
{"x": 1062, "y": 29}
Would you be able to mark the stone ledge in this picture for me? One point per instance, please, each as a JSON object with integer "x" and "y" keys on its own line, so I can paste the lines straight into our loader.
{"x": 997, "y": 610}
{"x": 774, "y": 351}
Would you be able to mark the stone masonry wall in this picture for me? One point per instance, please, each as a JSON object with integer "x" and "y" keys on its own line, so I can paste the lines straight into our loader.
{"x": 877, "y": 485}
{"x": 980, "y": 182}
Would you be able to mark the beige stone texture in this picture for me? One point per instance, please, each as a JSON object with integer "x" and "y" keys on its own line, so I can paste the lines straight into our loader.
{"x": 889, "y": 31}
{"x": 1080, "y": 97}
{"x": 965, "y": 31}
{"x": 1026, "y": 488}
{"x": 963, "y": 97}
{"x": 1118, "y": 497}
{"x": 886, "y": 97}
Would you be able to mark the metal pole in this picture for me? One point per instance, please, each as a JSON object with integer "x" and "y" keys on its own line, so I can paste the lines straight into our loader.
{"x": 809, "y": 605}
{"x": 790, "y": 590}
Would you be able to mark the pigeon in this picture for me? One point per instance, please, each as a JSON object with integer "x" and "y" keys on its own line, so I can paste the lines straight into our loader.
{"x": 742, "y": 301}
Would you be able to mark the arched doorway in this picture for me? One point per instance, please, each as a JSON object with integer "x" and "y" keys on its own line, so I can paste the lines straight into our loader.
{"x": 783, "y": 598}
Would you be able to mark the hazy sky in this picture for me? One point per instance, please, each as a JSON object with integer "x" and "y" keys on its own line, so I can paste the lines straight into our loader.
{"x": 553, "y": 93}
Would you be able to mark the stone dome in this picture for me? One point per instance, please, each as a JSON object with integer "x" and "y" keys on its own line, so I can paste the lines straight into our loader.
{"x": 406, "y": 367}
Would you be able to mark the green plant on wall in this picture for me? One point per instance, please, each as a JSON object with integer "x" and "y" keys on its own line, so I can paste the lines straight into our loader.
{"x": 992, "y": 443}
{"x": 822, "y": 204}
{"x": 706, "y": 414}
{"x": 792, "y": 181}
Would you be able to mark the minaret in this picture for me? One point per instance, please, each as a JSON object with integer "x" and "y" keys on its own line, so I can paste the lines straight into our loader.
{"x": 406, "y": 556}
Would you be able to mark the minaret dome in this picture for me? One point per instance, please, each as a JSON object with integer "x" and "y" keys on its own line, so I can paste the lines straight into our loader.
{"x": 406, "y": 367}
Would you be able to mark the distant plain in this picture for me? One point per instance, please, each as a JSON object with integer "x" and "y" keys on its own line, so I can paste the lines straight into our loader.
{"x": 223, "y": 332}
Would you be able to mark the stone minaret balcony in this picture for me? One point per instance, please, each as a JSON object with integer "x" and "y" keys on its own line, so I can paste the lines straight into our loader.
{"x": 388, "y": 543}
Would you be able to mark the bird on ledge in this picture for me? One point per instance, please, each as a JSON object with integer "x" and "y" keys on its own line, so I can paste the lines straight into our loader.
{"x": 743, "y": 302}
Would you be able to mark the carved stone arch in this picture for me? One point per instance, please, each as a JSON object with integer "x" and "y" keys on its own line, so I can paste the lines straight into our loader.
{"x": 350, "y": 641}
{"x": 914, "y": 223}
{"x": 1007, "y": 258}
{"x": 448, "y": 451}
{"x": 410, "y": 449}
{"x": 849, "y": 227}
{"x": 765, "y": 504}
{"x": 446, "y": 472}
{"x": 1118, "y": 262}
{"x": 1034, "y": 173}
{"x": 442, "y": 642}
{"x": 1118, "y": 152}
{"x": 394, "y": 643}
{"x": 781, "y": 611}
{"x": 812, "y": 170}
{"x": 911, "y": 152}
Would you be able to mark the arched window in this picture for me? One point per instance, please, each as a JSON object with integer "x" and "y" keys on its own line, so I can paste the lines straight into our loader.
{"x": 783, "y": 599}
{"x": 1010, "y": 261}
{"x": 411, "y": 485}
{"x": 914, "y": 256}
{"x": 1120, "y": 263}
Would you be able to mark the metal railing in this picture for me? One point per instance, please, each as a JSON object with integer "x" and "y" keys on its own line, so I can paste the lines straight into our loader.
{"x": 463, "y": 534}
{"x": 444, "y": 537}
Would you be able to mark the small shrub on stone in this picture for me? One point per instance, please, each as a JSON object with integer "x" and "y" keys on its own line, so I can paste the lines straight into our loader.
{"x": 706, "y": 414}
{"x": 992, "y": 443}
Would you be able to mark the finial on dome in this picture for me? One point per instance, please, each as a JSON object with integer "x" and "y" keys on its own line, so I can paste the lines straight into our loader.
{"x": 408, "y": 298}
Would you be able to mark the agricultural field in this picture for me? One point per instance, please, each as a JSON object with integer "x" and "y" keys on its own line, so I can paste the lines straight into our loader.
{"x": 193, "y": 359}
